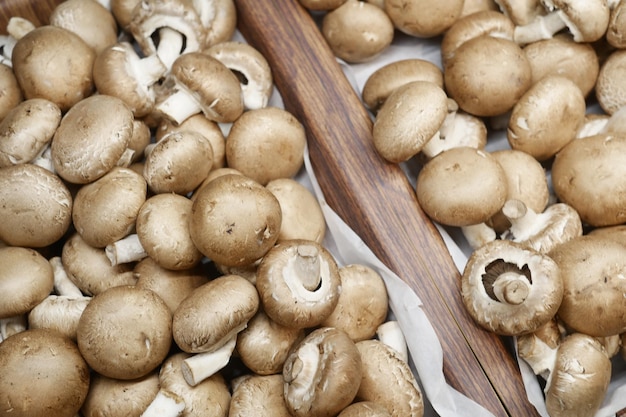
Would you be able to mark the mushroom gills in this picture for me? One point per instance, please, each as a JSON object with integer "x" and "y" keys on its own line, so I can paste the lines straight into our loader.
{"x": 506, "y": 282}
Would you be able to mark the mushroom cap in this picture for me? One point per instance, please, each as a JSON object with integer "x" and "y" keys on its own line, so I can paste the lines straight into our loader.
{"x": 364, "y": 409}
{"x": 388, "y": 380}
{"x": 423, "y": 19}
{"x": 302, "y": 214}
{"x": 235, "y": 220}
{"x": 26, "y": 130}
{"x": 91, "y": 138}
{"x": 580, "y": 379}
{"x": 179, "y": 162}
{"x": 615, "y": 34}
{"x": 592, "y": 273}
{"x": 461, "y": 186}
{"x": 111, "y": 396}
{"x": 257, "y": 395}
{"x": 106, "y": 210}
{"x": 263, "y": 345}
{"x": 36, "y": 206}
{"x": 357, "y": 31}
{"x": 265, "y": 144}
{"x": 587, "y": 20}
{"x": 592, "y": 185}
{"x": 123, "y": 11}
{"x": 617, "y": 232}
{"x": 213, "y": 313}
{"x": 611, "y": 95}
{"x": 163, "y": 229}
{"x": 384, "y": 80}
{"x": 90, "y": 269}
{"x": 44, "y": 57}
{"x": 410, "y": 117}
{"x": 26, "y": 279}
{"x": 487, "y": 75}
{"x": 320, "y": 373}
{"x": 12, "y": 93}
{"x": 224, "y": 24}
{"x": 298, "y": 283}
{"x": 534, "y": 304}
{"x": 125, "y": 332}
{"x": 363, "y": 302}
{"x": 546, "y": 117}
{"x": 43, "y": 375}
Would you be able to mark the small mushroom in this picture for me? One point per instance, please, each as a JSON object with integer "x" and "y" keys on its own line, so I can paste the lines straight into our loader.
{"x": 321, "y": 373}
{"x": 43, "y": 374}
{"x": 423, "y": 20}
{"x": 510, "y": 289}
{"x": 539, "y": 348}
{"x": 363, "y": 302}
{"x": 255, "y": 395}
{"x": 235, "y": 220}
{"x": 298, "y": 283}
{"x": 266, "y": 144}
{"x": 125, "y": 332}
{"x": 36, "y": 206}
{"x": 388, "y": 380}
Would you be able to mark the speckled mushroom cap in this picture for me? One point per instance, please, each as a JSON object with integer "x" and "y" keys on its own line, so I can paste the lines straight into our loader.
{"x": 213, "y": 313}
{"x": 364, "y": 409}
{"x": 423, "y": 20}
{"x": 509, "y": 289}
{"x": 256, "y": 395}
{"x": 26, "y": 279}
{"x": 125, "y": 332}
{"x": 611, "y": 95}
{"x": 43, "y": 374}
{"x": 321, "y": 372}
{"x": 36, "y": 206}
{"x": 13, "y": 94}
{"x": 91, "y": 138}
{"x": 388, "y": 380}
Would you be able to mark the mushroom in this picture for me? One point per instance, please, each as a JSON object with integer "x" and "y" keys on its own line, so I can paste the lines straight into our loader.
{"x": 424, "y": 20}
{"x": 410, "y": 117}
{"x": 320, "y": 373}
{"x": 27, "y": 130}
{"x": 12, "y": 94}
{"x": 106, "y": 209}
{"x": 172, "y": 286}
{"x": 203, "y": 365}
{"x": 592, "y": 186}
{"x": 224, "y": 23}
{"x": 125, "y": 332}
{"x": 364, "y": 409}
{"x": 592, "y": 274}
{"x": 265, "y": 144}
{"x": 234, "y": 220}
{"x": 388, "y": 380}
{"x": 357, "y": 31}
{"x": 302, "y": 216}
{"x": 44, "y": 57}
{"x": 122, "y": 10}
{"x": 611, "y": 95}
{"x": 178, "y": 163}
{"x": 580, "y": 379}
{"x": 111, "y": 396}
{"x": 510, "y": 289}
{"x": 36, "y": 206}
{"x": 255, "y": 395}
{"x": 533, "y": 126}
{"x": 43, "y": 374}
{"x": 214, "y": 313}
{"x": 618, "y": 232}
{"x": 139, "y": 141}
{"x": 390, "y": 333}
{"x": 251, "y": 67}
{"x": 88, "y": 19}
{"x": 539, "y": 348}
{"x": 363, "y": 303}
{"x": 387, "y": 78}
{"x": 120, "y": 72}
{"x": 26, "y": 279}
{"x": 263, "y": 346}
{"x": 587, "y": 21}
{"x": 298, "y": 283}
{"x": 98, "y": 125}
{"x": 487, "y": 75}
{"x": 201, "y": 83}
{"x": 615, "y": 34}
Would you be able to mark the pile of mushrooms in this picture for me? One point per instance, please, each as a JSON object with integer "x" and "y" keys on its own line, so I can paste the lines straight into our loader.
{"x": 541, "y": 211}
{"x": 159, "y": 255}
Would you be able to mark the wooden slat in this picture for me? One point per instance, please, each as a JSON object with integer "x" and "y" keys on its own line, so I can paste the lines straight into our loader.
{"x": 376, "y": 199}
{"x": 37, "y": 12}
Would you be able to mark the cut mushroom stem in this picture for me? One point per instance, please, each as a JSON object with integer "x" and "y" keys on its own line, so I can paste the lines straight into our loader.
{"x": 12, "y": 325}
{"x": 478, "y": 234}
{"x": 165, "y": 404}
{"x": 391, "y": 334}
{"x": 63, "y": 285}
{"x": 511, "y": 288}
{"x": 541, "y": 28}
{"x": 171, "y": 44}
{"x": 125, "y": 250}
{"x": 201, "y": 366}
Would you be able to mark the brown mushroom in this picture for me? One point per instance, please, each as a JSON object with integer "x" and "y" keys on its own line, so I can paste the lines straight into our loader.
{"x": 611, "y": 95}
{"x": 364, "y": 409}
{"x": 255, "y": 395}
{"x": 421, "y": 19}
{"x": 12, "y": 93}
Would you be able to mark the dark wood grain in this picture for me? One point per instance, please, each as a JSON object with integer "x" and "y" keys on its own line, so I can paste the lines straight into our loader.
{"x": 376, "y": 199}
{"x": 38, "y": 12}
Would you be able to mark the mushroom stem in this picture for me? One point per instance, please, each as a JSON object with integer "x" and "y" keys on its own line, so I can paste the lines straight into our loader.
{"x": 128, "y": 249}
{"x": 63, "y": 285}
{"x": 60, "y": 313}
{"x": 165, "y": 404}
{"x": 180, "y": 106}
{"x": 511, "y": 288}
{"x": 543, "y": 27}
{"x": 17, "y": 27}
{"x": 307, "y": 267}
{"x": 12, "y": 325}
{"x": 170, "y": 45}
{"x": 201, "y": 366}
{"x": 44, "y": 159}
{"x": 478, "y": 234}
{"x": 525, "y": 222}
{"x": 391, "y": 334}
